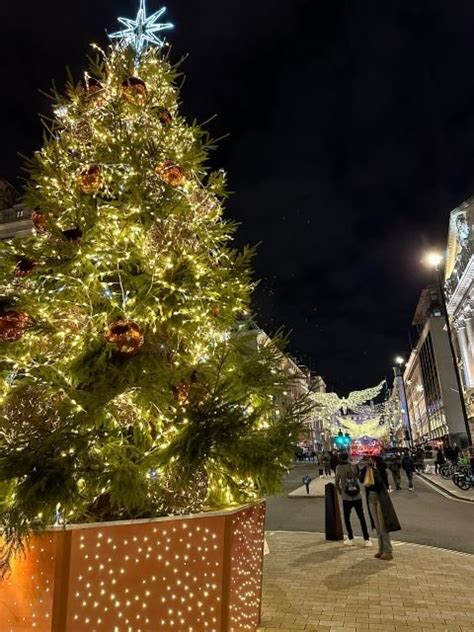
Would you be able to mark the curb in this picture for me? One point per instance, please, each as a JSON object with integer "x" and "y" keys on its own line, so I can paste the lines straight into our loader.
{"x": 444, "y": 491}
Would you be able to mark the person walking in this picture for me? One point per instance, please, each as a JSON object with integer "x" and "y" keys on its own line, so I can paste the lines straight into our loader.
{"x": 334, "y": 461}
{"x": 395, "y": 466}
{"x": 439, "y": 460}
{"x": 382, "y": 513}
{"x": 327, "y": 463}
{"x": 347, "y": 484}
{"x": 409, "y": 467}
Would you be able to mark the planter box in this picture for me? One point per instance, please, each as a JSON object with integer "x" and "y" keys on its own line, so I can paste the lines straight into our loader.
{"x": 198, "y": 573}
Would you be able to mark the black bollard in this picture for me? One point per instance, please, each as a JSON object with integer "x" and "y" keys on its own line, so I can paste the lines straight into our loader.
{"x": 334, "y": 530}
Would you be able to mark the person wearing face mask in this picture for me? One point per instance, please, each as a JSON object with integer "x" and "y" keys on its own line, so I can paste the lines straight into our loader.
{"x": 382, "y": 513}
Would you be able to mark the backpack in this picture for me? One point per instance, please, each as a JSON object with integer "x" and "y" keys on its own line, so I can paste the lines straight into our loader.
{"x": 351, "y": 487}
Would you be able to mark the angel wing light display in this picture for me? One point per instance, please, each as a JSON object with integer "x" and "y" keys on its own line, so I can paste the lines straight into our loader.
{"x": 331, "y": 403}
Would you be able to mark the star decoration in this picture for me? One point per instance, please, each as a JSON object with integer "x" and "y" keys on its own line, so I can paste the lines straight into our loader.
{"x": 142, "y": 31}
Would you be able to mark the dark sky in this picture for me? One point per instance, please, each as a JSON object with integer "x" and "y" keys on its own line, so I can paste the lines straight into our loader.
{"x": 351, "y": 138}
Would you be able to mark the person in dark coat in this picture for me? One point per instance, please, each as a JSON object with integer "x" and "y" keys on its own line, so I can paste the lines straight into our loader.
{"x": 439, "y": 460}
{"x": 381, "y": 510}
{"x": 327, "y": 463}
{"x": 409, "y": 467}
{"x": 334, "y": 461}
{"x": 395, "y": 466}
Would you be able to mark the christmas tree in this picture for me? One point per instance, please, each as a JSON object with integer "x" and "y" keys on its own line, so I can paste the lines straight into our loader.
{"x": 132, "y": 381}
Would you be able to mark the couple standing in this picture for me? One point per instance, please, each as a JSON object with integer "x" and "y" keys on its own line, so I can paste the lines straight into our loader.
{"x": 383, "y": 518}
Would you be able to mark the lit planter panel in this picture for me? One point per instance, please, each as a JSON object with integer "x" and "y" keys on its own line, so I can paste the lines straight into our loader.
{"x": 199, "y": 573}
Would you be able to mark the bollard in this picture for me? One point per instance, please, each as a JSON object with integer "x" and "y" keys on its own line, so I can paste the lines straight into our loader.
{"x": 333, "y": 520}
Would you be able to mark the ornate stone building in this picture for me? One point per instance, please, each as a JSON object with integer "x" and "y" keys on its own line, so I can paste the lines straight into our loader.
{"x": 15, "y": 220}
{"x": 459, "y": 286}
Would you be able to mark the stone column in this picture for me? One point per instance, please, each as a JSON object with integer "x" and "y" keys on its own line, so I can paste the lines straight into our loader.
{"x": 465, "y": 353}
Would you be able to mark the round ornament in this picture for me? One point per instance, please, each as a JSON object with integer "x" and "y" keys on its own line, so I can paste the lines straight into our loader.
{"x": 164, "y": 116}
{"x": 171, "y": 173}
{"x": 12, "y": 325}
{"x": 82, "y": 131}
{"x": 126, "y": 335}
{"x": 74, "y": 235}
{"x": 134, "y": 91}
{"x": 24, "y": 267}
{"x": 39, "y": 220}
{"x": 94, "y": 91}
{"x": 91, "y": 180}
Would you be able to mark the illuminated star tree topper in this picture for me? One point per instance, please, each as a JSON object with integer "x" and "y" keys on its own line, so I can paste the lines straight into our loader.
{"x": 142, "y": 31}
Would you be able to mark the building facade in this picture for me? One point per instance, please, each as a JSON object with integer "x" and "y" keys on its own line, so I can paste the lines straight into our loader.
{"x": 15, "y": 219}
{"x": 432, "y": 397}
{"x": 459, "y": 288}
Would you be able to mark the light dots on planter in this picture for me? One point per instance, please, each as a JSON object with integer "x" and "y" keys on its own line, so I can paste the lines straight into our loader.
{"x": 153, "y": 576}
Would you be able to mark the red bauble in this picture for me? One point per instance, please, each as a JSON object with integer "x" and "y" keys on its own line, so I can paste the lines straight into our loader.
{"x": 24, "y": 267}
{"x": 164, "y": 116}
{"x": 39, "y": 220}
{"x": 12, "y": 325}
{"x": 134, "y": 91}
{"x": 126, "y": 335}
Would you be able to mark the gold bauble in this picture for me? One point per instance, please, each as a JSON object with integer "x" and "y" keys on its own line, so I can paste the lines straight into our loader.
{"x": 171, "y": 173}
{"x": 91, "y": 180}
{"x": 134, "y": 91}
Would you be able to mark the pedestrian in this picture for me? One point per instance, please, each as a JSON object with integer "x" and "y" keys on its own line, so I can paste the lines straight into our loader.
{"x": 334, "y": 461}
{"x": 439, "y": 460}
{"x": 419, "y": 460}
{"x": 409, "y": 467}
{"x": 306, "y": 482}
{"x": 327, "y": 463}
{"x": 381, "y": 510}
{"x": 347, "y": 484}
{"x": 395, "y": 466}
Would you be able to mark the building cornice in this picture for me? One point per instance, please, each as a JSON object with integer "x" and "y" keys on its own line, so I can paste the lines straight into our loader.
{"x": 462, "y": 288}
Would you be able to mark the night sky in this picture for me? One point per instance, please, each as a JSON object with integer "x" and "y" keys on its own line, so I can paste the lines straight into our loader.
{"x": 351, "y": 138}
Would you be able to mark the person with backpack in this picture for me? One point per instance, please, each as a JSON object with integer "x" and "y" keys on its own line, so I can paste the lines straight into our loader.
{"x": 347, "y": 484}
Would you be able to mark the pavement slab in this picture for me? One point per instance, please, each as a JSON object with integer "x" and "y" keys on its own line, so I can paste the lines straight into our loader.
{"x": 312, "y": 584}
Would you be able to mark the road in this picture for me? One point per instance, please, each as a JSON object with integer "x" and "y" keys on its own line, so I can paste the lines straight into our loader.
{"x": 426, "y": 516}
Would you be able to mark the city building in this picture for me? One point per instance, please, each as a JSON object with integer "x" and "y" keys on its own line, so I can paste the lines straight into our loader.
{"x": 459, "y": 289}
{"x": 15, "y": 219}
{"x": 432, "y": 397}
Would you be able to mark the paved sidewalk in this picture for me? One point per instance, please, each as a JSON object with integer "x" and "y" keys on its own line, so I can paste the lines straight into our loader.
{"x": 311, "y": 584}
{"x": 449, "y": 487}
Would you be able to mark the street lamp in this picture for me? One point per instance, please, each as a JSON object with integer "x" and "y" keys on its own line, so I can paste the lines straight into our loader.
{"x": 434, "y": 259}
{"x": 399, "y": 373}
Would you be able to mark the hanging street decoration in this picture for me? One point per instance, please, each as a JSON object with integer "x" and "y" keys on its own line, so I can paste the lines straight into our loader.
{"x": 331, "y": 403}
{"x": 142, "y": 31}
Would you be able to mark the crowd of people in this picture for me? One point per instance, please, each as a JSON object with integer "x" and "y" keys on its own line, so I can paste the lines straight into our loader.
{"x": 379, "y": 476}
